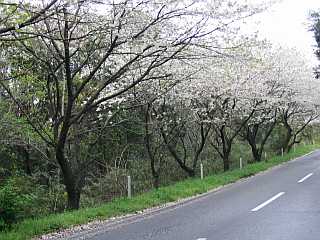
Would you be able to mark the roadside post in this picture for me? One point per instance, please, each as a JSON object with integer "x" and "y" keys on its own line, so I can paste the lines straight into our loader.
{"x": 201, "y": 170}
{"x": 129, "y": 186}
{"x": 240, "y": 163}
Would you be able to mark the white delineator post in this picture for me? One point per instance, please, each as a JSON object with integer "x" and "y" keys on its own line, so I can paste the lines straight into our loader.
{"x": 129, "y": 186}
{"x": 265, "y": 156}
{"x": 240, "y": 163}
{"x": 282, "y": 152}
{"x": 201, "y": 170}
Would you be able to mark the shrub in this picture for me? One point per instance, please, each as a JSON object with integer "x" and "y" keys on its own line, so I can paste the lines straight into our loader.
{"x": 14, "y": 204}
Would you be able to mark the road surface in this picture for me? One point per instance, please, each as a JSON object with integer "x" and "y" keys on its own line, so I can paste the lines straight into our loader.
{"x": 281, "y": 204}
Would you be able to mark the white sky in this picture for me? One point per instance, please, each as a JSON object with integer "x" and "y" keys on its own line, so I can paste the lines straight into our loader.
{"x": 286, "y": 23}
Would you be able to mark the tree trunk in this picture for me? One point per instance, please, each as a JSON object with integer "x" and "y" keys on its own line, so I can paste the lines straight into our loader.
{"x": 73, "y": 198}
{"x": 227, "y": 144}
{"x": 69, "y": 178}
{"x": 290, "y": 146}
{"x": 156, "y": 181}
{"x": 226, "y": 163}
{"x": 289, "y": 133}
{"x": 182, "y": 163}
{"x": 256, "y": 153}
{"x": 287, "y": 140}
{"x": 191, "y": 172}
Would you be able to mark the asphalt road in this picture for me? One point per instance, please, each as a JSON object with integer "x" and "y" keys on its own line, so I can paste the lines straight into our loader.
{"x": 281, "y": 204}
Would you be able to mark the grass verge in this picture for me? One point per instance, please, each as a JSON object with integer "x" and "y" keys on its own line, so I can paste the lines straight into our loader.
{"x": 33, "y": 227}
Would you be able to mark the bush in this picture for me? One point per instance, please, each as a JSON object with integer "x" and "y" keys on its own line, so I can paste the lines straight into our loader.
{"x": 14, "y": 204}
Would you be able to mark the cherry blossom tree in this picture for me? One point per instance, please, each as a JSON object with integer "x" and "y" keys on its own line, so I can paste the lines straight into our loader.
{"x": 225, "y": 84}
{"x": 297, "y": 98}
{"x": 86, "y": 55}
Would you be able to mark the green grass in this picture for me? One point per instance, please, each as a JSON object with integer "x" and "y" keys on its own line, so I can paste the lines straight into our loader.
{"x": 32, "y": 227}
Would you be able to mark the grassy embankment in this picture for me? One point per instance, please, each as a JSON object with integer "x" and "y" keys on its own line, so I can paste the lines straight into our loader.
{"x": 33, "y": 227}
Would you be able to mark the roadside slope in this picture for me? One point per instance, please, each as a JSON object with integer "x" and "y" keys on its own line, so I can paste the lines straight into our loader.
{"x": 33, "y": 227}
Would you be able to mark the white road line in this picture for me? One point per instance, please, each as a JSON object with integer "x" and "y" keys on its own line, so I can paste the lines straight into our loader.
{"x": 201, "y": 239}
{"x": 305, "y": 178}
{"x": 267, "y": 202}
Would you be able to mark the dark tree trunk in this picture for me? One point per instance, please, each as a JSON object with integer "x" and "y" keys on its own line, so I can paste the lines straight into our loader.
{"x": 226, "y": 149}
{"x": 292, "y": 135}
{"x": 223, "y": 148}
{"x": 191, "y": 172}
{"x": 251, "y": 133}
{"x": 287, "y": 140}
{"x": 73, "y": 198}
{"x": 226, "y": 164}
{"x": 151, "y": 153}
{"x": 226, "y": 157}
{"x": 182, "y": 162}
{"x": 290, "y": 145}
{"x": 156, "y": 181}
{"x": 289, "y": 131}
{"x": 70, "y": 179}
{"x": 256, "y": 153}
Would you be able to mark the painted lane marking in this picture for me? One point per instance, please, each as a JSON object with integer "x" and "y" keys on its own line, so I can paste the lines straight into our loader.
{"x": 305, "y": 178}
{"x": 201, "y": 238}
{"x": 267, "y": 202}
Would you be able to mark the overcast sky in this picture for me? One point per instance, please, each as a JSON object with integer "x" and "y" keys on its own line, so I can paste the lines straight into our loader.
{"x": 286, "y": 23}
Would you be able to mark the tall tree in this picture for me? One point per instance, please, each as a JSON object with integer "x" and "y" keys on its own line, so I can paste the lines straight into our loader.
{"x": 315, "y": 27}
{"x": 86, "y": 55}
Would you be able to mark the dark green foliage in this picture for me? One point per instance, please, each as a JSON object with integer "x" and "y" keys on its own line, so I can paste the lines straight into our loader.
{"x": 278, "y": 135}
{"x": 23, "y": 197}
{"x": 14, "y": 203}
